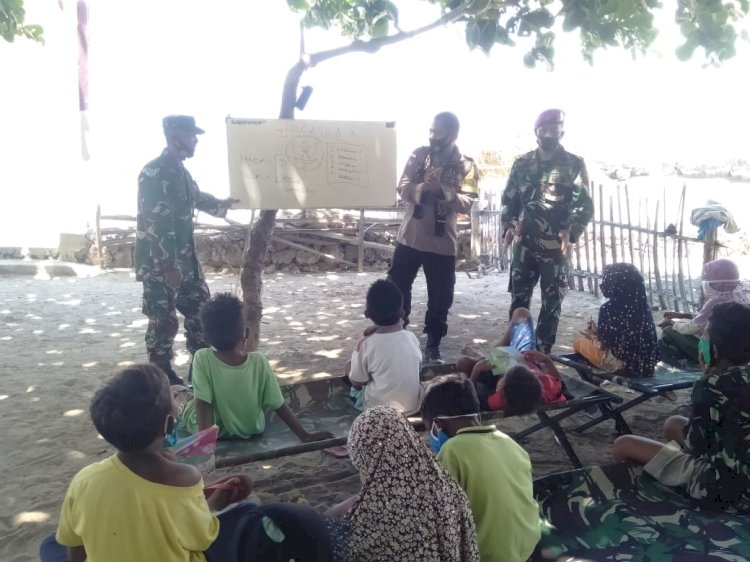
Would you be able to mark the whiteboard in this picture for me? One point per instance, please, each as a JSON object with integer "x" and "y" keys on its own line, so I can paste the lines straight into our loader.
{"x": 303, "y": 164}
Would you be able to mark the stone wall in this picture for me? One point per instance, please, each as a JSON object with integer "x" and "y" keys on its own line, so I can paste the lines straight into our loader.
{"x": 223, "y": 251}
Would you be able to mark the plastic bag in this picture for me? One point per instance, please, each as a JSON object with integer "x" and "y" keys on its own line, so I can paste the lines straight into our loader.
{"x": 503, "y": 358}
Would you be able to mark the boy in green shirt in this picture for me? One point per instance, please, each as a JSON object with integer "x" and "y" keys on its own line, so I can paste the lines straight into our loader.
{"x": 493, "y": 470}
{"x": 233, "y": 388}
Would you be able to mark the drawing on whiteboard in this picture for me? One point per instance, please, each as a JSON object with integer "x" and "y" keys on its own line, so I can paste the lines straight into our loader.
{"x": 288, "y": 177}
{"x": 347, "y": 163}
{"x": 305, "y": 153}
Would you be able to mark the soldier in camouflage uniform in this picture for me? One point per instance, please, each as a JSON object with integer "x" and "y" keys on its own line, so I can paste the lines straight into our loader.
{"x": 546, "y": 206}
{"x": 165, "y": 259}
{"x": 709, "y": 453}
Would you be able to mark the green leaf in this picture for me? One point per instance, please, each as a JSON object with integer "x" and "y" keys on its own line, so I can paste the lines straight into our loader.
{"x": 472, "y": 34}
{"x": 685, "y": 51}
{"x": 688, "y": 28}
{"x": 539, "y": 19}
{"x": 298, "y": 5}
{"x": 487, "y": 35}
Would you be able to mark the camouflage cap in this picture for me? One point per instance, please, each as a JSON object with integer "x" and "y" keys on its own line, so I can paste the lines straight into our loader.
{"x": 549, "y": 116}
{"x": 184, "y": 123}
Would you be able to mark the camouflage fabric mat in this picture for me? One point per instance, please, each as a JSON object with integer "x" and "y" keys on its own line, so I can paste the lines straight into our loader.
{"x": 665, "y": 376}
{"x": 325, "y": 405}
{"x": 618, "y": 512}
{"x": 320, "y": 406}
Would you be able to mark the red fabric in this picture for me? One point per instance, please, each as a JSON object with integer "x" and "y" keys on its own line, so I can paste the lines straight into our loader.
{"x": 551, "y": 392}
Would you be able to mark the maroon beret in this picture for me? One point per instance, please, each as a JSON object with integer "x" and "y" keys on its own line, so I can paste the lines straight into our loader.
{"x": 549, "y": 116}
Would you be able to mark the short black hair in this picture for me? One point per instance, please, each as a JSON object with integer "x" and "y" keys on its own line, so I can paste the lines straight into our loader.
{"x": 728, "y": 327}
{"x": 449, "y": 120}
{"x": 451, "y": 395}
{"x": 384, "y": 302}
{"x": 522, "y": 391}
{"x": 130, "y": 410}
{"x": 223, "y": 321}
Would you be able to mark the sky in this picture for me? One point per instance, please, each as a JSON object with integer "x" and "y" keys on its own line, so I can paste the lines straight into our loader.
{"x": 151, "y": 58}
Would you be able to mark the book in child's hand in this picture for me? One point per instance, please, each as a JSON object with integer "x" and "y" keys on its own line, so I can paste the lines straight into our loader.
{"x": 198, "y": 450}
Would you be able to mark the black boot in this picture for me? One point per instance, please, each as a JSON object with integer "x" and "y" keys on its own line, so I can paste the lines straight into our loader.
{"x": 432, "y": 354}
{"x": 173, "y": 377}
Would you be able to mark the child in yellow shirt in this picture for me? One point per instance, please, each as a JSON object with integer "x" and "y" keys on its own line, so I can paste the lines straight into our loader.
{"x": 138, "y": 504}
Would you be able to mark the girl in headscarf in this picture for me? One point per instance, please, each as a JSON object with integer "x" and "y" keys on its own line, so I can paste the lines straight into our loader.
{"x": 624, "y": 338}
{"x": 682, "y": 330}
{"x": 409, "y": 507}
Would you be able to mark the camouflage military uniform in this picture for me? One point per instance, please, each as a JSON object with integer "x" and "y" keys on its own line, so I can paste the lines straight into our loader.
{"x": 541, "y": 200}
{"x": 167, "y": 199}
{"x": 718, "y": 435}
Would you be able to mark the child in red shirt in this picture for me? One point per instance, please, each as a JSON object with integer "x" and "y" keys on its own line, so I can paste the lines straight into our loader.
{"x": 522, "y": 388}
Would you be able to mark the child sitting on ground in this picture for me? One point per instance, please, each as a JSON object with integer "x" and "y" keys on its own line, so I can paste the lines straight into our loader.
{"x": 708, "y": 454}
{"x": 138, "y": 504}
{"x": 682, "y": 330}
{"x": 532, "y": 379}
{"x": 493, "y": 470}
{"x": 386, "y": 361}
{"x": 233, "y": 388}
{"x": 623, "y": 340}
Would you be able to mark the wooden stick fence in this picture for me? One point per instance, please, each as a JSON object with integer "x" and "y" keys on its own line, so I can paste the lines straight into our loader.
{"x": 637, "y": 232}
{"x": 660, "y": 250}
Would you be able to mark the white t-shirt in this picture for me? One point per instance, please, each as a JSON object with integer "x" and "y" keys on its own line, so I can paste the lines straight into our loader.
{"x": 388, "y": 365}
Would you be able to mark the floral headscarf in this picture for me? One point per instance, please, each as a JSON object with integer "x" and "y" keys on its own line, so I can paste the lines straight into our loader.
{"x": 409, "y": 508}
{"x": 626, "y": 326}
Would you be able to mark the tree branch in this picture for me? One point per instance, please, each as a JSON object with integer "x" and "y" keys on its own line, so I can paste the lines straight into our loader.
{"x": 301, "y": 38}
{"x": 374, "y": 45}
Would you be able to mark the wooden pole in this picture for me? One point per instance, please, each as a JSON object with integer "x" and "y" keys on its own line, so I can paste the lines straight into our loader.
{"x": 710, "y": 246}
{"x": 619, "y": 219}
{"x": 612, "y": 237}
{"x": 99, "y": 234}
{"x": 648, "y": 257}
{"x": 662, "y": 303}
{"x": 692, "y": 307}
{"x": 361, "y": 242}
{"x": 314, "y": 252}
{"x": 630, "y": 226}
{"x": 578, "y": 264}
{"x": 589, "y": 282}
{"x": 593, "y": 245}
{"x": 664, "y": 228}
{"x": 641, "y": 249}
{"x": 602, "y": 238}
{"x": 680, "y": 272}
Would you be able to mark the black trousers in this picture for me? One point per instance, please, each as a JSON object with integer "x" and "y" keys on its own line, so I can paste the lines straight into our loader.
{"x": 440, "y": 273}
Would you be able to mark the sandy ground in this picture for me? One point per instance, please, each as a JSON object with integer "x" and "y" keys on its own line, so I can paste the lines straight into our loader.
{"x": 60, "y": 337}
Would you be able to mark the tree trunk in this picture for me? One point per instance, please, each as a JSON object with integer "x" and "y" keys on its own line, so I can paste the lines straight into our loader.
{"x": 261, "y": 231}
{"x": 251, "y": 277}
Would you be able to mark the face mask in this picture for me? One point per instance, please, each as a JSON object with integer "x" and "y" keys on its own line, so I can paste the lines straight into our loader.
{"x": 604, "y": 300}
{"x": 709, "y": 291}
{"x": 548, "y": 144}
{"x": 439, "y": 144}
{"x": 171, "y": 439}
{"x": 437, "y": 438}
{"x": 704, "y": 351}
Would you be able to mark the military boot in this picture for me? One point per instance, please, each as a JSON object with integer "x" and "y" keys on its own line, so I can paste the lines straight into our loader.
{"x": 173, "y": 377}
{"x": 432, "y": 355}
